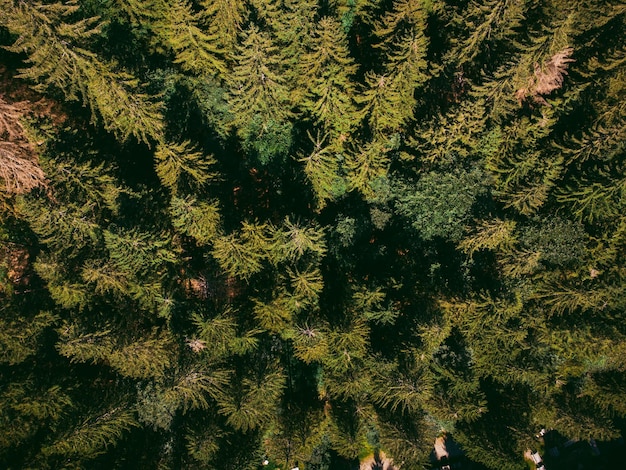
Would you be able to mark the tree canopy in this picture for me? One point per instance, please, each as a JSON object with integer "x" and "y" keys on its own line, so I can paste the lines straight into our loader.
{"x": 308, "y": 232}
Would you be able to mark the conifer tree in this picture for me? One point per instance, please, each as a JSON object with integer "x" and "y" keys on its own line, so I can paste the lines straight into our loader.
{"x": 455, "y": 265}
{"x": 242, "y": 255}
{"x": 252, "y": 401}
{"x": 19, "y": 336}
{"x": 323, "y": 170}
{"x": 485, "y": 21}
{"x": 383, "y": 103}
{"x": 292, "y": 23}
{"x": 259, "y": 97}
{"x": 198, "y": 219}
{"x": 225, "y": 18}
{"x": 27, "y": 410}
{"x": 367, "y": 165}
{"x": 114, "y": 96}
{"x": 196, "y": 50}
{"x": 330, "y": 68}
{"x": 402, "y": 35}
{"x": 180, "y": 166}
{"x": 93, "y": 436}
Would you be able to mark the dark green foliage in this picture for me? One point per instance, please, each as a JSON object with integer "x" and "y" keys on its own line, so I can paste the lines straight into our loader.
{"x": 560, "y": 242}
{"x": 268, "y": 141}
{"x": 309, "y": 232}
{"x": 440, "y": 204}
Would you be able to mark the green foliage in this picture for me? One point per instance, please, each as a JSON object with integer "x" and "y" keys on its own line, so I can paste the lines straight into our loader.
{"x": 241, "y": 255}
{"x": 27, "y": 410}
{"x": 195, "y": 50}
{"x": 401, "y": 33}
{"x": 66, "y": 229}
{"x": 178, "y": 165}
{"x": 73, "y": 181}
{"x": 322, "y": 168}
{"x": 296, "y": 240}
{"x": 19, "y": 337}
{"x": 225, "y": 19}
{"x": 138, "y": 253}
{"x": 495, "y": 234}
{"x": 258, "y": 95}
{"x": 486, "y": 21}
{"x": 274, "y": 316}
{"x": 369, "y": 304}
{"x": 58, "y": 61}
{"x": 191, "y": 390}
{"x": 92, "y": 437}
{"x": 203, "y": 446}
{"x": 308, "y": 231}
{"x": 560, "y": 241}
{"x": 267, "y": 140}
{"x": 439, "y": 204}
{"x": 253, "y": 402}
{"x": 198, "y": 219}
{"x": 383, "y": 103}
{"x": 368, "y": 165}
{"x": 137, "y": 358}
{"x": 330, "y": 98}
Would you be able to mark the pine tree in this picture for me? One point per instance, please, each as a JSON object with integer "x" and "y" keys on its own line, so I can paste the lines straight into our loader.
{"x": 293, "y": 241}
{"x": 132, "y": 357}
{"x": 307, "y": 285}
{"x": 455, "y": 264}
{"x": 174, "y": 26}
{"x": 26, "y": 411}
{"x": 242, "y": 255}
{"x": 66, "y": 229}
{"x": 486, "y": 22}
{"x": 368, "y": 165}
{"x": 114, "y": 97}
{"x": 92, "y": 437}
{"x": 198, "y": 219}
{"x": 383, "y": 103}
{"x": 497, "y": 235}
{"x": 19, "y": 336}
{"x": 323, "y": 170}
{"x": 401, "y": 33}
{"x": 276, "y": 315}
{"x": 330, "y": 69}
{"x": 180, "y": 166}
{"x": 258, "y": 98}
{"x": 253, "y": 400}
{"x": 439, "y": 205}
{"x": 196, "y": 50}
{"x": 139, "y": 253}
{"x": 292, "y": 23}
{"x": 225, "y": 18}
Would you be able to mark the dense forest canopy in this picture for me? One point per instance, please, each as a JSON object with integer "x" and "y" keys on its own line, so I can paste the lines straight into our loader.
{"x": 302, "y": 231}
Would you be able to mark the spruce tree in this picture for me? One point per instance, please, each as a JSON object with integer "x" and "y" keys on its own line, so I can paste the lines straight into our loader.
{"x": 58, "y": 63}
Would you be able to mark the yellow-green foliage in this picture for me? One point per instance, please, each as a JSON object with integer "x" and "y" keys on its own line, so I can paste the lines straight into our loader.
{"x": 179, "y": 165}
{"x": 56, "y": 60}
{"x": 198, "y": 219}
{"x": 308, "y": 232}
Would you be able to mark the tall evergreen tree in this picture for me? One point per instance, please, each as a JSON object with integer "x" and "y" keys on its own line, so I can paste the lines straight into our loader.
{"x": 259, "y": 97}
{"x": 58, "y": 62}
